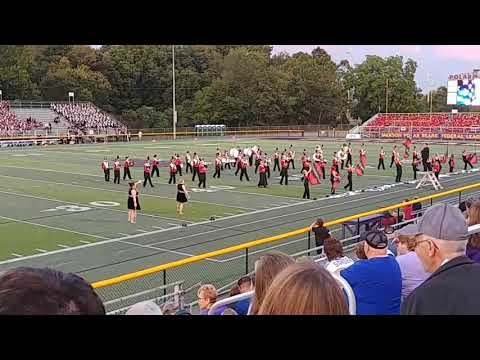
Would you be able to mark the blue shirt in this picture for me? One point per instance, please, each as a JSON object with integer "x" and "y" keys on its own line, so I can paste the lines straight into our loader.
{"x": 242, "y": 306}
{"x": 377, "y": 285}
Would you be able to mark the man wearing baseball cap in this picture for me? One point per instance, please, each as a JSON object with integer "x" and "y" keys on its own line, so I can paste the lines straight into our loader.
{"x": 377, "y": 281}
{"x": 453, "y": 287}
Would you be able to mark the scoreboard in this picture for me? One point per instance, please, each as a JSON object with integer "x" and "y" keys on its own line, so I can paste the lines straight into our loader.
{"x": 464, "y": 91}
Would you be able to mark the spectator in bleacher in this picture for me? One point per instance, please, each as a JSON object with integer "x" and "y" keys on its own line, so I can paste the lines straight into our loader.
{"x": 337, "y": 261}
{"x": 144, "y": 308}
{"x": 407, "y": 211}
{"x": 416, "y": 207}
{"x": 33, "y": 291}
{"x": 360, "y": 251}
{"x": 266, "y": 268}
{"x": 413, "y": 273}
{"x": 453, "y": 287}
{"x": 169, "y": 308}
{"x": 244, "y": 284}
{"x": 473, "y": 218}
{"x": 376, "y": 282}
{"x": 207, "y": 296}
{"x": 321, "y": 233}
{"x": 304, "y": 289}
{"x": 234, "y": 291}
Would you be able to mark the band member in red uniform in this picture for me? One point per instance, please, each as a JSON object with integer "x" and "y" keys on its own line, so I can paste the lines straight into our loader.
{"x": 398, "y": 163}
{"x": 334, "y": 178}
{"x": 202, "y": 174}
{"x": 226, "y": 160}
{"x": 262, "y": 170}
{"x": 381, "y": 159}
{"x": 349, "y": 154}
{"x": 238, "y": 163}
{"x": 437, "y": 166}
{"x": 306, "y": 184}
{"x": 268, "y": 162}
{"x": 276, "y": 160}
{"x": 258, "y": 158}
{"x": 188, "y": 161}
{"x": 349, "y": 185}
{"x": 394, "y": 154}
{"x": 147, "y": 172}
{"x": 218, "y": 166}
{"x": 291, "y": 156}
{"x": 126, "y": 169}
{"x": 195, "y": 164}
{"x": 335, "y": 162}
{"x": 243, "y": 169}
{"x": 415, "y": 162}
{"x": 306, "y": 164}
{"x": 178, "y": 164}
{"x": 363, "y": 156}
{"x": 284, "y": 172}
{"x": 451, "y": 163}
{"x": 466, "y": 160}
{"x": 106, "y": 169}
{"x": 155, "y": 164}
{"x": 173, "y": 171}
{"x": 116, "y": 170}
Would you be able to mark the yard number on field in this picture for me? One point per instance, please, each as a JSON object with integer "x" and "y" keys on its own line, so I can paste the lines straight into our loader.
{"x": 76, "y": 208}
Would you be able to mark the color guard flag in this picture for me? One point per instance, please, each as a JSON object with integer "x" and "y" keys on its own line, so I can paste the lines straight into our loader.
{"x": 473, "y": 158}
{"x": 408, "y": 143}
{"x": 359, "y": 171}
{"x": 313, "y": 179}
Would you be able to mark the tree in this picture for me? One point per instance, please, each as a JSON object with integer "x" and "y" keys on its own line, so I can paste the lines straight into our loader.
{"x": 16, "y": 63}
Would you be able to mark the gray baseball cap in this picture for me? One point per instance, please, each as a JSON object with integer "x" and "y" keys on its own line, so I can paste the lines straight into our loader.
{"x": 441, "y": 221}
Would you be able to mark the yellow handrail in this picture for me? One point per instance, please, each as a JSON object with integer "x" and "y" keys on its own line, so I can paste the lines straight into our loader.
{"x": 231, "y": 249}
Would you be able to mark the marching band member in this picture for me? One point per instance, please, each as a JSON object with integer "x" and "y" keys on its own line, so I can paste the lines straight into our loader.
{"x": 182, "y": 196}
{"x": 202, "y": 173}
{"x": 415, "y": 162}
{"x": 238, "y": 163}
{"x": 466, "y": 160}
{"x": 178, "y": 164}
{"x": 218, "y": 166}
{"x": 268, "y": 162}
{"x": 243, "y": 169}
{"x": 381, "y": 158}
{"x": 276, "y": 160}
{"x": 306, "y": 164}
{"x": 155, "y": 164}
{"x": 451, "y": 162}
{"x": 349, "y": 154}
{"x": 116, "y": 170}
{"x": 195, "y": 164}
{"x": 394, "y": 154}
{"x": 425, "y": 156}
{"x": 335, "y": 162}
{"x": 147, "y": 170}
{"x": 250, "y": 159}
{"x": 258, "y": 158}
{"x": 133, "y": 203}
{"x": 398, "y": 164}
{"x": 291, "y": 156}
{"x": 363, "y": 156}
{"x": 126, "y": 168}
{"x": 415, "y": 153}
{"x": 437, "y": 167}
{"x": 349, "y": 185}
{"x": 106, "y": 169}
{"x": 284, "y": 172}
{"x": 334, "y": 179}
{"x": 173, "y": 170}
{"x": 226, "y": 160}
{"x": 306, "y": 184}
{"x": 188, "y": 161}
{"x": 262, "y": 170}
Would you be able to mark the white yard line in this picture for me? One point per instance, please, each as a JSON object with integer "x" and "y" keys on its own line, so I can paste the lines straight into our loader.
{"x": 85, "y": 242}
{"x": 17, "y": 255}
{"x": 140, "y": 230}
{"x": 158, "y": 227}
{"x": 215, "y": 230}
{"x": 63, "y": 246}
{"x": 123, "y": 234}
{"x": 41, "y": 250}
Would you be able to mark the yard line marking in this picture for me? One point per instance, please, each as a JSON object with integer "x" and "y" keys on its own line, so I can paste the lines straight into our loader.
{"x": 41, "y": 250}
{"x": 286, "y": 203}
{"x": 84, "y": 204}
{"x": 53, "y": 227}
{"x": 172, "y": 224}
{"x": 123, "y": 234}
{"x": 85, "y": 242}
{"x": 143, "y": 231}
{"x": 118, "y": 191}
{"x": 208, "y": 221}
{"x": 229, "y": 213}
{"x": 17, "y": 255}
{"x": 63, "y": 246}
{"x": 158, "y": 227}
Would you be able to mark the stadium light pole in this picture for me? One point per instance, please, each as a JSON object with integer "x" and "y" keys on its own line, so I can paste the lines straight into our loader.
{"x": 174, "y": 109}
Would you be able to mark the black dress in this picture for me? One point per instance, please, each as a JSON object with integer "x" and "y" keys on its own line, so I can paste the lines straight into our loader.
{"x": 131, "y": 205}
{"x": 181, "y": 197}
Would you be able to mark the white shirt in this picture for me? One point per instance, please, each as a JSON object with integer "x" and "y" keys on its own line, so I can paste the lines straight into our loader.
{"x": 339, "y": 264}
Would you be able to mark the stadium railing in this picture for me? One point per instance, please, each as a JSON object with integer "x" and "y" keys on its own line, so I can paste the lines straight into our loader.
{"x": 214, "y": 267}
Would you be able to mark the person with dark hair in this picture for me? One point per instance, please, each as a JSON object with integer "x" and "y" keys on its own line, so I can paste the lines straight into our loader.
{"x": 262, "y": 175}
{"x": 394, "y": 154}
{"x": 276, "y": 160}
{"x": 473, "y": 218}
{"x": 425, "y": 156}
{"x": 195, "y": 164}
{"x": 202, "y": 174}
{"x": 188, "y": 161}
{"x": 336, "y": 259}
{"x": 398, "y": 164}
{"x": 243, "y": 169}
{"x": 451, "y": 163}
{"x": 147, "y": 171}
{"x": 304, "y": 289}
{"x": 381, "y": 159}
{"x": 155, "y": 164}
{"x": 116, "y": 170}
{"x": 106, "y": 169}
{"x": 349, "y": 185}
{"x": 133, "y": 204}
{"x": 178, "y": 164}
{"x": 376, "y": 282}
{"x": 173, "y": 171}
{"x": 466, "y": 160}
{"x": 321, "y": 233}
{"x": 284, "y": 162}
{"x": 126, "y": 169}
{"x": 31, "y": 291}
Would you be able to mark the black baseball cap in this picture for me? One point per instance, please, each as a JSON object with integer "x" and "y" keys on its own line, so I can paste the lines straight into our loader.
{"x": 375, "y": 239}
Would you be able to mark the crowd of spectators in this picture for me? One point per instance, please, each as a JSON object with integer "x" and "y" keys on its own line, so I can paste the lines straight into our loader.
{"x": 434, "y": 269}
{"x": 11, "y": 125}
{"x": 85, "y": 117}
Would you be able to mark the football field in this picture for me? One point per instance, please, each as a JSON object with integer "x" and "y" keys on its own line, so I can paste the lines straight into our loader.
{"x": 58, "y": 211}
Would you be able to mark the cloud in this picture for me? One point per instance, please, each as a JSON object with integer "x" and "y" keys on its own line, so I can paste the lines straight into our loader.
{"x": 458, "y": 52}
{"x": 410, "y": 49}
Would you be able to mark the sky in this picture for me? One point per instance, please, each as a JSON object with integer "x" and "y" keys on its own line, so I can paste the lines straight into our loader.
{"x": 435, "y": 62}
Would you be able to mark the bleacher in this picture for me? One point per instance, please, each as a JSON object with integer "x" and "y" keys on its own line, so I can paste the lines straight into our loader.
{"x": 424, "y": 125}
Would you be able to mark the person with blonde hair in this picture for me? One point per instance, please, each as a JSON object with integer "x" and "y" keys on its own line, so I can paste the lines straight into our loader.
{"x": 304, "y": 289}
{"x": 182, "y": 196}
{"x": 266, "y": 268}
{"x": 207, "y": 296}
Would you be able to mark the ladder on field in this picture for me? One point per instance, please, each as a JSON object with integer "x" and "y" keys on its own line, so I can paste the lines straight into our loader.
{"x": 429, "y": 178}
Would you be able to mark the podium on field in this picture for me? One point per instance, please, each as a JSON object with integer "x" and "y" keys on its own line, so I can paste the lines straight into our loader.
{"x": 428, "y": 178}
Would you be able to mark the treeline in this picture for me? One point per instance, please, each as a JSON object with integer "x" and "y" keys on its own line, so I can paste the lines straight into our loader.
{"x": 236, "y": 85}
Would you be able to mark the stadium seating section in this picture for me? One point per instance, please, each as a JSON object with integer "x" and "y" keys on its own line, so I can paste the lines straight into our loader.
{"x": 11, "y": 124}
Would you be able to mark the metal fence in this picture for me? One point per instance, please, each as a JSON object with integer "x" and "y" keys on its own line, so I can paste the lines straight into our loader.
{"x": 225, "y": 266}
